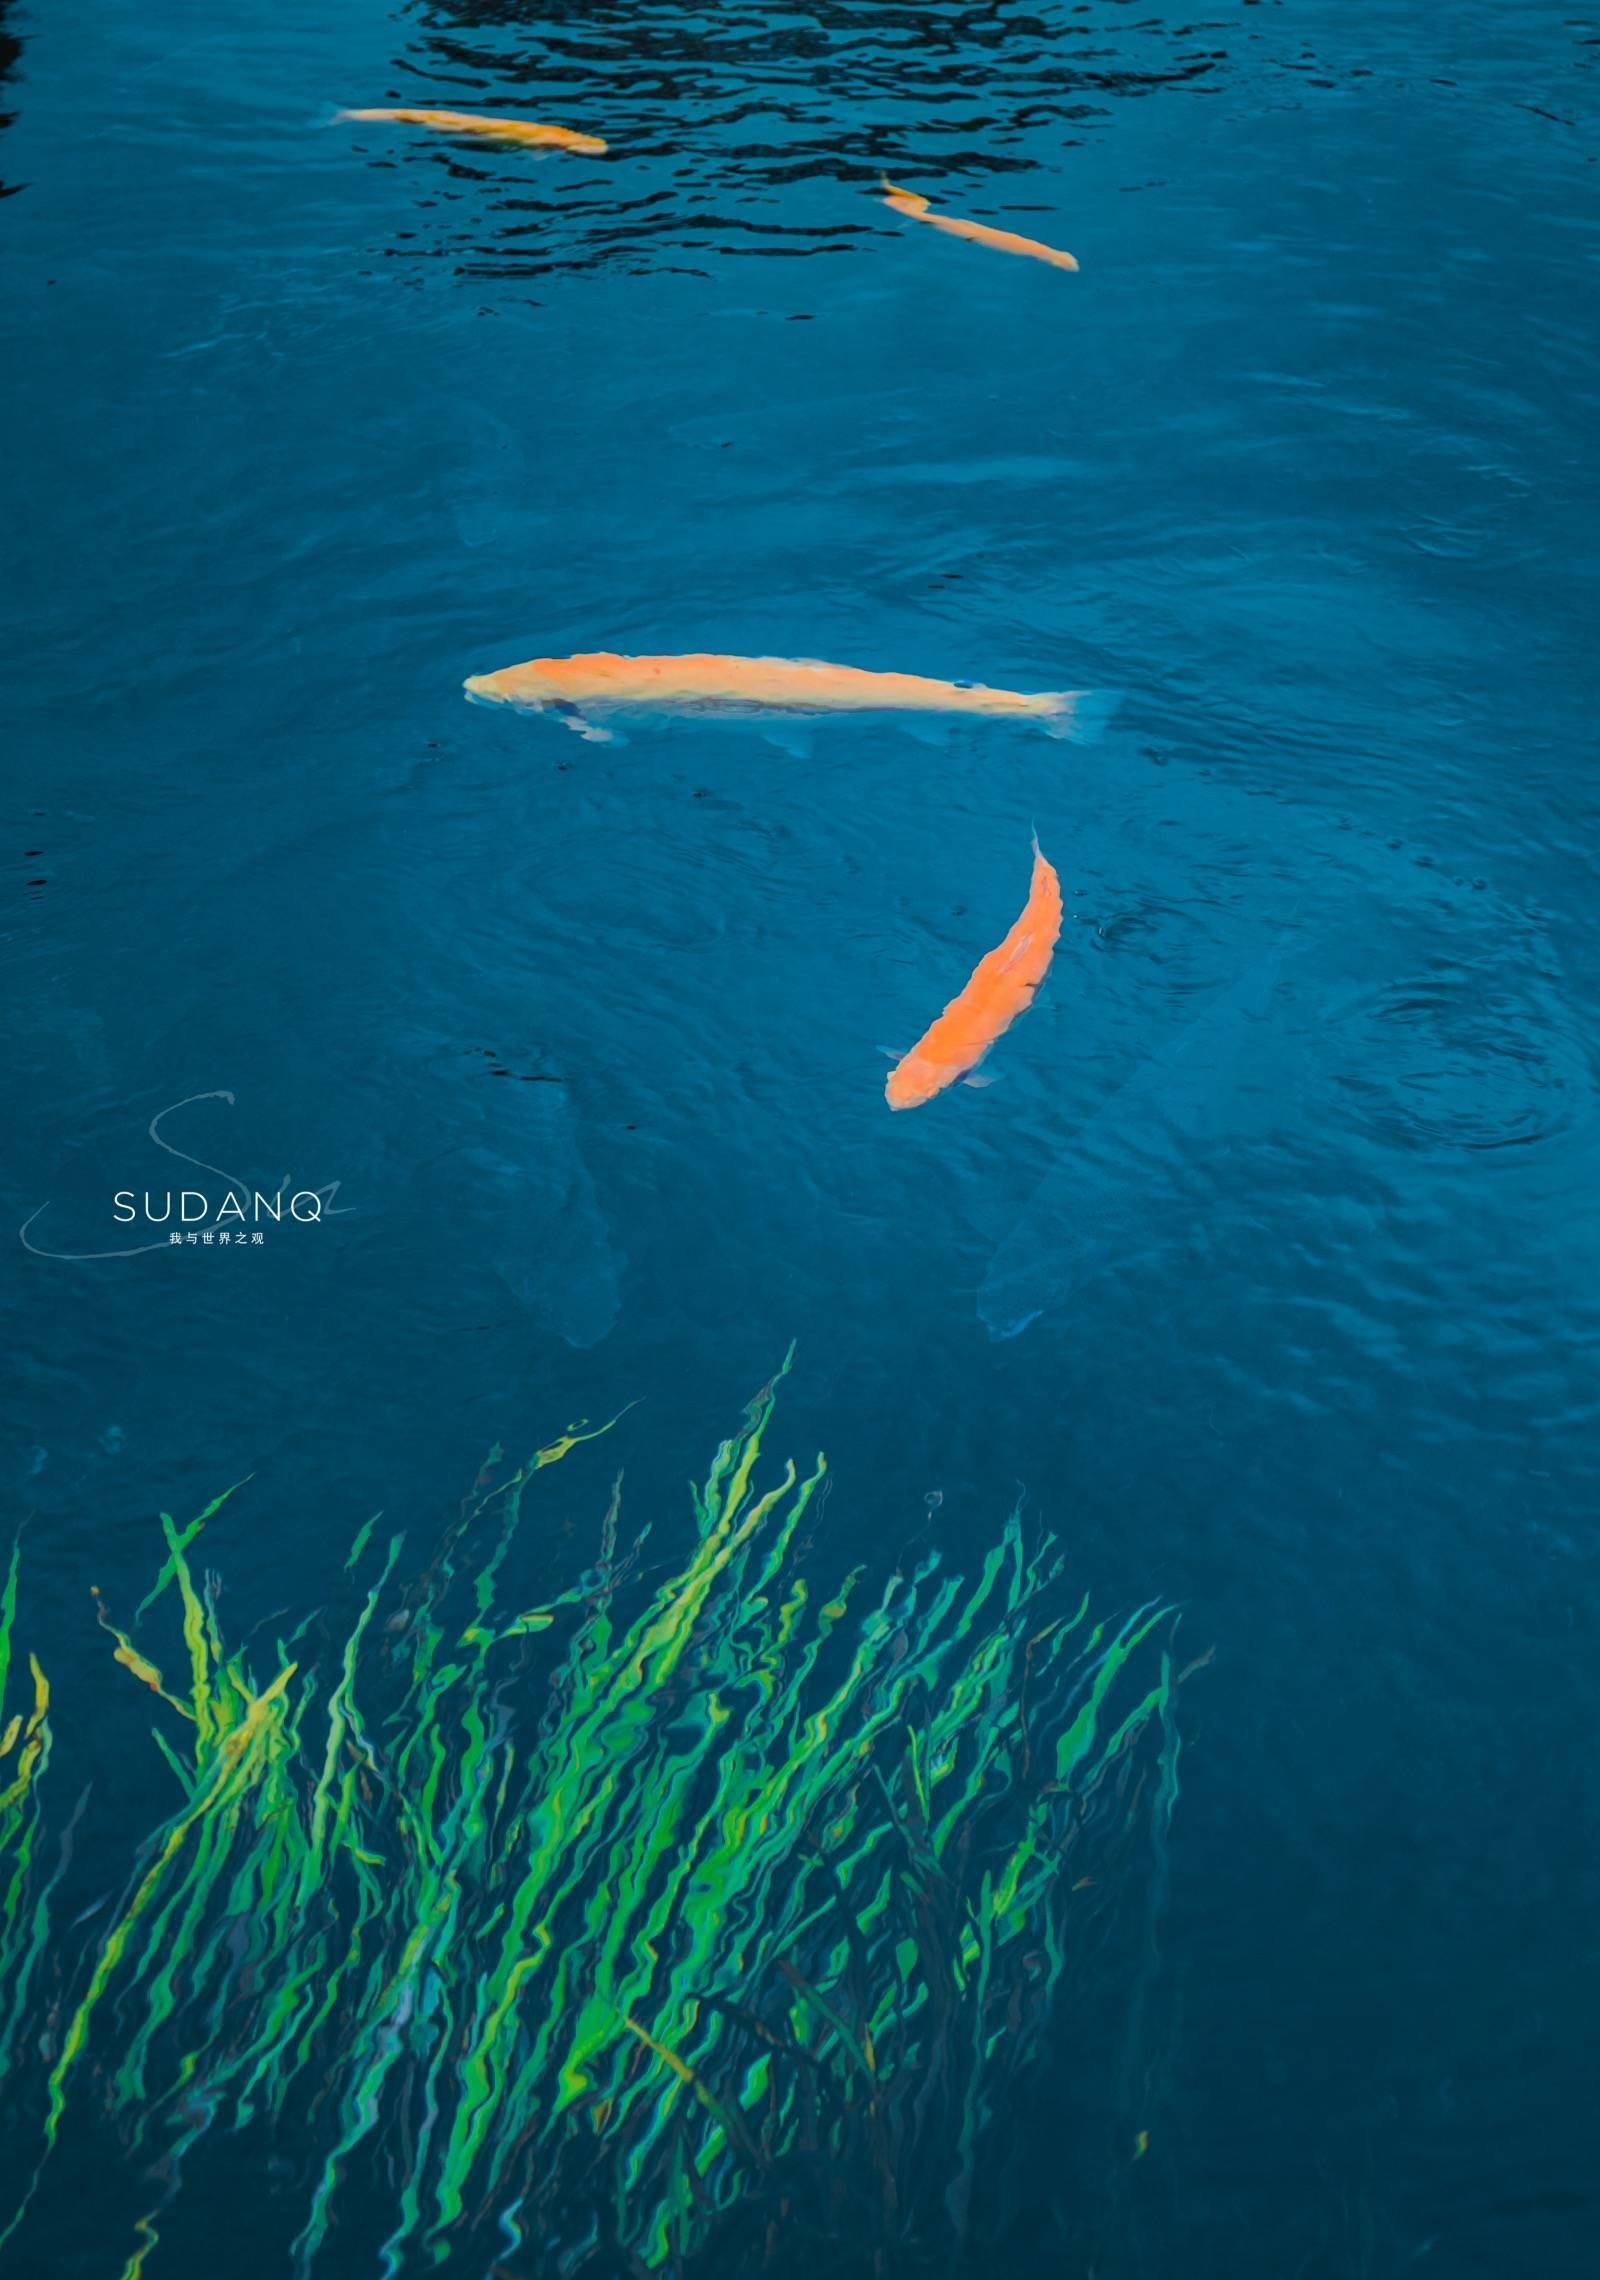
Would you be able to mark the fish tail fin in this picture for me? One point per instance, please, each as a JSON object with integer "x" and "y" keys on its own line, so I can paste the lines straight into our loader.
{"x": 1081, "y": 716}
{"x": 1001, "y": 1321}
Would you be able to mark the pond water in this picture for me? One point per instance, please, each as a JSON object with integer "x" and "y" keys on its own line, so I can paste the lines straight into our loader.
{"x": 1268, "y": 1265}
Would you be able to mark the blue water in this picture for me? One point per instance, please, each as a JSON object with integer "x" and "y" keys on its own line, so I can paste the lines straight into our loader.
{"x": 1296, "y": 1156}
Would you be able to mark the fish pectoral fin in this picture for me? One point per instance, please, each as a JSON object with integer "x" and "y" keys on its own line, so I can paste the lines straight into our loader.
{"x": 978, "y": 1079}
{"x": 893, "y": 1052}
{"x": 571, "y": 716}
{"x": 927, "y": 729}
{"x": 788, "y": 736}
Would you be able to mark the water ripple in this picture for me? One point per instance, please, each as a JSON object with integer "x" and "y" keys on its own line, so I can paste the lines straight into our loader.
{"x": 818, "y": 98}
{"x": 1462, "y": 1055}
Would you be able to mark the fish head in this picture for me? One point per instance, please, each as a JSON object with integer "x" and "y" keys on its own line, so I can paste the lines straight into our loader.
{"x": 902, "y": 201}
{"x": 527, "y": 687}
{"x": 914, "y": 1080}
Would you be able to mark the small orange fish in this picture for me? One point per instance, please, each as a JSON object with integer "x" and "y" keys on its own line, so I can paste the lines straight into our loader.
{"x": 528, "y": 132}
{"x": 976, "y": 233}
{"x": 1000, "y": 989}
{"x": 576, "y": 688}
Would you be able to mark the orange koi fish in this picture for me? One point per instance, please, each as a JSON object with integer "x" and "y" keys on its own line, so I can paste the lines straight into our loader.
{"x": 528, "y": 132}
{"x": 977, "y": 233}
{"x": 575, "y": 689}
{"x": 1000, "y": 989}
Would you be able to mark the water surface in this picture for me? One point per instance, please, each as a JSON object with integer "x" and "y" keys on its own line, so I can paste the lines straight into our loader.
{"x": 307, "y": 421}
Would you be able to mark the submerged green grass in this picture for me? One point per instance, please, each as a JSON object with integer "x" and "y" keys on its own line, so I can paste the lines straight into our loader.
{"x": 686, "y": 1915}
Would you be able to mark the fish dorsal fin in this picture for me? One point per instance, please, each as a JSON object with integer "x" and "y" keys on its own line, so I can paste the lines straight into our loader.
{"x": 1019, "y": 949}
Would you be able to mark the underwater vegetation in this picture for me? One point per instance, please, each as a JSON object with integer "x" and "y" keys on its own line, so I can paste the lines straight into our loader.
{"x": 24, "y": 1755}
{"x": 688, "y": 1919}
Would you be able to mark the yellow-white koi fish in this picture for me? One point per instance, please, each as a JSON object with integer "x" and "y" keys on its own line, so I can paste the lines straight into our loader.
{"x": 576, "y": 689}
{"x": 917, "y": 208}
{"x": 528, "y": 132}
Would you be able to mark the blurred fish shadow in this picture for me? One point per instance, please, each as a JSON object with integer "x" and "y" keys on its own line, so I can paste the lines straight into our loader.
{"x": 1423, "y": 1054}
{"x": 1127, "y": 1186}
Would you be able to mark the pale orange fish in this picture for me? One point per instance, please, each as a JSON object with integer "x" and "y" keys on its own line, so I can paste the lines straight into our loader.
{"x": 976, "y": 233}
{"x": 528, "y": 132}
{"x": 1002, "y": 986}
{"x": 576, "y": 689}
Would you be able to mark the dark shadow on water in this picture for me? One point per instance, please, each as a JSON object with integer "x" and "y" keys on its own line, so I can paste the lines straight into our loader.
{"x": 10, "y": 56}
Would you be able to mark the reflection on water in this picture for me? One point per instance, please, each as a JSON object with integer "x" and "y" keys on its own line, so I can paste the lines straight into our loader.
{"x": 750, "y": 131}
